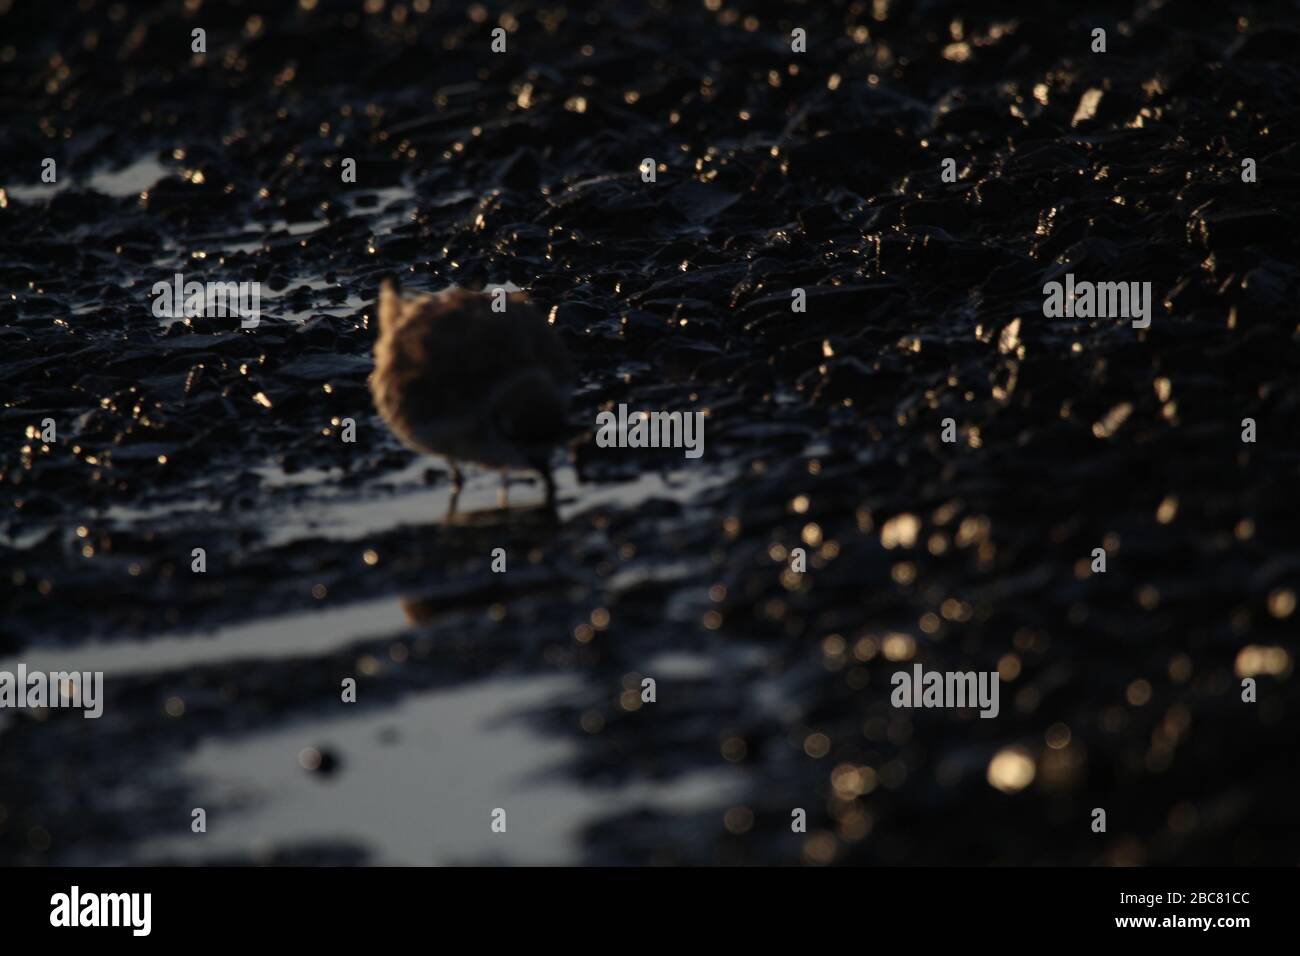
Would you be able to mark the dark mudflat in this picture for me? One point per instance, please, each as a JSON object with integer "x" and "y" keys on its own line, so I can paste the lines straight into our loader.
{"x": 816, "y": 170}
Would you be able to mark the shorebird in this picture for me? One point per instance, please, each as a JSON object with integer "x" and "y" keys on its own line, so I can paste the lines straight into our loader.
{"x": 454, "y": 378}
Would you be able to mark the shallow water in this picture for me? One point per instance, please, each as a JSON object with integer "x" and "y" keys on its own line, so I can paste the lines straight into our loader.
{"x": 130, "y": 180}
{"x": 286, "y": 636}
{"x": 419, "y": 786}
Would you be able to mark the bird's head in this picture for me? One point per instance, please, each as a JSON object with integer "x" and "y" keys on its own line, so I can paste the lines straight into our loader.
{"x": 390, "y": 304}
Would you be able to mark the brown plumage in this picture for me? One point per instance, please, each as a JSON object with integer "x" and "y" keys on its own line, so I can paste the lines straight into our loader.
{"x": 456, "y": 379}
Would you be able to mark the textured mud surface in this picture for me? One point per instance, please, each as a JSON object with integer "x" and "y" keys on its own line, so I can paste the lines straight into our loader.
{"x": 777, "y": 170}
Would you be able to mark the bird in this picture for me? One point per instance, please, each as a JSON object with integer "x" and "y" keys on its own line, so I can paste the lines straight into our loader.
{"x": 453, "y": 377}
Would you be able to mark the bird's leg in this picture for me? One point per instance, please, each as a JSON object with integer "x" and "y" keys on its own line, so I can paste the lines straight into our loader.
{"x": 549, "y": 481}
{"x": 503, "y": 494}
{"x": 457, "y": 483}
{"x": 542, "y": 465}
